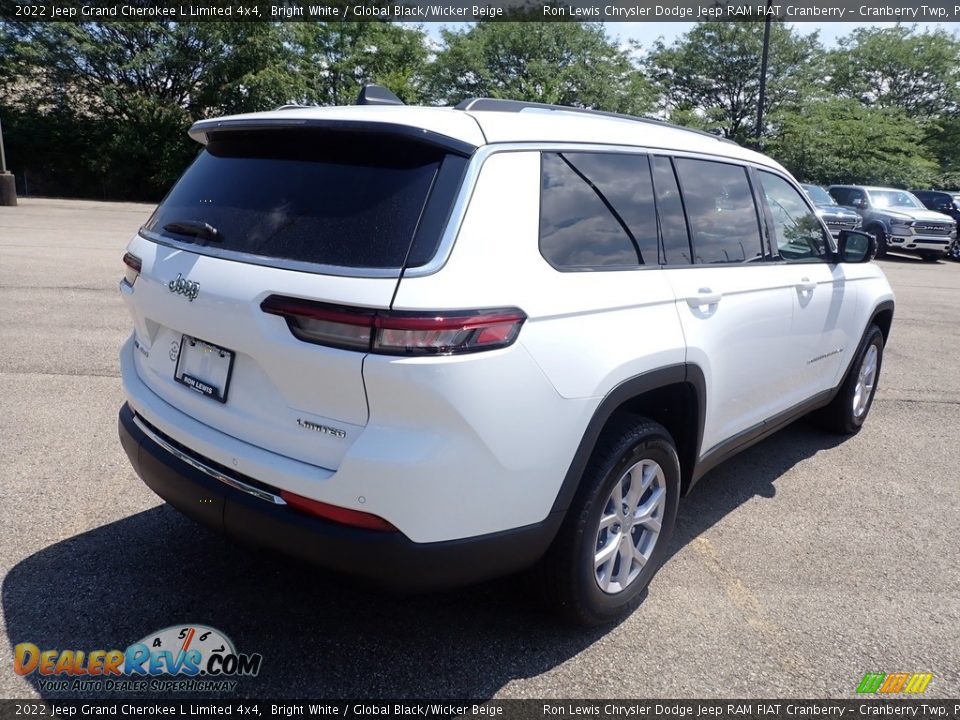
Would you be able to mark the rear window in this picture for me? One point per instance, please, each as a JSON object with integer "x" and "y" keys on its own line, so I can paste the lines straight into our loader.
{"x": 330, "y": 198}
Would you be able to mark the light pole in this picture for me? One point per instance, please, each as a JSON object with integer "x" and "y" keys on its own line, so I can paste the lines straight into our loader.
{"x": 763, "y": 72}
{"x": 8, "y": 187}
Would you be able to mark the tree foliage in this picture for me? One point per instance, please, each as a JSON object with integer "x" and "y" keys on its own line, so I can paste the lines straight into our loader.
{"x": 844, "y": 141}
{"x": 564, "y": 63}
{"x": 101, "y": 109}
{"x": 898, "y": 67}
{"x": 710, "y": 77}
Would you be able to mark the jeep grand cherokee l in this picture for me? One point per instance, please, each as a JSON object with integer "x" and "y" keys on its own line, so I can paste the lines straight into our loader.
{"x": 429, "y": 346}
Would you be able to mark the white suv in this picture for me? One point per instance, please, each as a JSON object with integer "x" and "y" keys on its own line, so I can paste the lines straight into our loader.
{"x": 429, "y": 346}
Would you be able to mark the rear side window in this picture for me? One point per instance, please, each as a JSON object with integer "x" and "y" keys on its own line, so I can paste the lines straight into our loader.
{"x": 343, "y": 199}
{"x": 597, "y": 211}
{"x": 673, "y": 224}
{"x": 721, "y": 211}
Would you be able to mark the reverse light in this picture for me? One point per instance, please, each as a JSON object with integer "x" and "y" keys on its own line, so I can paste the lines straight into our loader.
{"x": 335, "y": 513}
{"x": 396, "y": 332}
{"x": 132, "y": 269}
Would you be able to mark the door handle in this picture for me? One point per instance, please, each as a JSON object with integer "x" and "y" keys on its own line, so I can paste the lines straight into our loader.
{"x": 806, "y": 285}
{"x": 704, "y": 296}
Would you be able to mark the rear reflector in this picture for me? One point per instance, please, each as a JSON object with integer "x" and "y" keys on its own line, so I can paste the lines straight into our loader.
{"x": 132, "y": 270}
{"x": 344, "y": 516}
{"x": 395, "y": 332}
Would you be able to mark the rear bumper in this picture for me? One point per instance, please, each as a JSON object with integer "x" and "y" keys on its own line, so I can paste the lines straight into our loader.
{"x": 386, "y": 558}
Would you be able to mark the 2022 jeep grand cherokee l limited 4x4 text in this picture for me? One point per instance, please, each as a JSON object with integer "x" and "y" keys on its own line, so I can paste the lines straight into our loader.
{"x": 430, "y": 346}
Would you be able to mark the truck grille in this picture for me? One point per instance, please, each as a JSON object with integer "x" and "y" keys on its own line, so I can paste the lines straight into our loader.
{"x": 927, "y": 228}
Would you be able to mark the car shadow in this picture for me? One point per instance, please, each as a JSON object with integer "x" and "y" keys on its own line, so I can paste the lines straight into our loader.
{"x": 322, "y": 635}
{"x": 906, "y": 259}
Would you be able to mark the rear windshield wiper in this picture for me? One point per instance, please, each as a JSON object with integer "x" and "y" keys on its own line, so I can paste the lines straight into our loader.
{"x": 194, "y": 228}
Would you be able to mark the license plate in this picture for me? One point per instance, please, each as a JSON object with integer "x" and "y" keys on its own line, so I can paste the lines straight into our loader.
{"x": 204, "y": 367}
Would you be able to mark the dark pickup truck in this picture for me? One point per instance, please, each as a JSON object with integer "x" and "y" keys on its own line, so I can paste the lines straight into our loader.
{"x": 835, "y": 217}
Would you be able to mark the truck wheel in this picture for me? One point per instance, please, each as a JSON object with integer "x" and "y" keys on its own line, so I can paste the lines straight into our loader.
{"x": 847, "y": 411}
{"x": 931, "y": 256}
{"x": 954, "y": 252}
{"x": 881, "y": 236}
{"x": 618, "y": 528}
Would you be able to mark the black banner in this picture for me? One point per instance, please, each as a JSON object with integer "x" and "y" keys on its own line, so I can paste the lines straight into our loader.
{"x": 507, "y": 709}
{"x": 473, "y": 10}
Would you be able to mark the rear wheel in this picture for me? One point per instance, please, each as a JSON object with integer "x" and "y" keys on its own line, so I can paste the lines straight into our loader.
{"x": 848, "y": 410}
{"x": 617, "y": 531}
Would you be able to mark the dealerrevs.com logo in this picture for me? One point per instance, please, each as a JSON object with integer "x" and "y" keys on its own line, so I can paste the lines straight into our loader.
{"x": 177, "y": 658}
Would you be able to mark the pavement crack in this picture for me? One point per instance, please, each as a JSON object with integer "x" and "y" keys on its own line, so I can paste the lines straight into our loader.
{"x": 64, "y": 373}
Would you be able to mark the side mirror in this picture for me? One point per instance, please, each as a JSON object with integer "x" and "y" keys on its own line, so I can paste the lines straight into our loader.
{"x": 855, "y": 246}
{"x": 857, "y": 202}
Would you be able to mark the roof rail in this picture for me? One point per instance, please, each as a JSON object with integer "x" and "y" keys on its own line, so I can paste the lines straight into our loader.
{"x": 290, "y": 106}
{"x": 498, "y": 105}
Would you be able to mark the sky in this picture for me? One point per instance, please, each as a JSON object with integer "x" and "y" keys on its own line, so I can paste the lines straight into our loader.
{"x": 647, "y": 32}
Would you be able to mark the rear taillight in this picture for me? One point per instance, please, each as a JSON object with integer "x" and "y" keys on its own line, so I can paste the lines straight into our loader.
{"x": 395, "y": 332}
{"x": 132, "y": 269}
{"x": 334, "y": 513}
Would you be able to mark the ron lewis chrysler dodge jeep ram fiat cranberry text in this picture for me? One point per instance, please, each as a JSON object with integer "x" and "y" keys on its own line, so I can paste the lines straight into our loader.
{"x": 429, "y": 346}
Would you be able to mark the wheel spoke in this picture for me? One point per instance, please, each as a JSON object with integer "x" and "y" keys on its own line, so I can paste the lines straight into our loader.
{"x": 633, "y": 495}
{"x": 607, "y": 553}
{"x": 646, "y": 515}
{"x": 650, "y": 472}
{"x": 638, "y": 557}
{"x": 625, "y": 553}
{"x": 608, "y": 521}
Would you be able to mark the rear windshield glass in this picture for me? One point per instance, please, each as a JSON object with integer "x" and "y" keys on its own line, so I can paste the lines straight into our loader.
{"x": 330, "y": 198}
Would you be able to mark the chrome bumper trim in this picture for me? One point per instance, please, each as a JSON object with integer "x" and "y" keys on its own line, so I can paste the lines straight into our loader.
{"x": 206, "y": 469}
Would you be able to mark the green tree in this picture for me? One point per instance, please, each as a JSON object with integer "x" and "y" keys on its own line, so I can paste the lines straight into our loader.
{"x": 332, "y": 61}
{"x": 898, "y": 67}
{"x": 710, "y": 76}
{"x": 130, "y": 90}
{"x": 564, "y": 63}
{"x": 843, "y": 141}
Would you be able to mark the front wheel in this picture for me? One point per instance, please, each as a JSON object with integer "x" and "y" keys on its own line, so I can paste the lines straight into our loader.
{"x": 954, "y": 252}
{"x": 848, "y": 410}
{"x": 617, "y": 531}
{"x": 881, "y": 236}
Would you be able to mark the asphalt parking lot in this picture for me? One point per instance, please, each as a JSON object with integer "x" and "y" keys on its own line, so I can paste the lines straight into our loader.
{"x": 797, "y": 567}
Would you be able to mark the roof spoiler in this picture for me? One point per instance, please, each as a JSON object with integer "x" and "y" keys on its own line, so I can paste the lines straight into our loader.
{"x": 377, "y": 95}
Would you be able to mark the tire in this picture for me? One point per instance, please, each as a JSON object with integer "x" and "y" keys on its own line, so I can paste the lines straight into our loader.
{"x": 881, "y": 236}
{"x": 847, "y": 412}
{"x": 931, "y": 257}
{"x": 591, "y": 592}
{"x": 954, "y": 252}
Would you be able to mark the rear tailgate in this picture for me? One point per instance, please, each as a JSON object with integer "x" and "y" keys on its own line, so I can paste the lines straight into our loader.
{"x": 306, "y": 214}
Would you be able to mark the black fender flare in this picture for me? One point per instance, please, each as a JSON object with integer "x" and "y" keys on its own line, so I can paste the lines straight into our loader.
{"x": 627, "y": 390}
{"x": 882, "y": 306}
